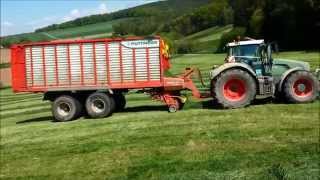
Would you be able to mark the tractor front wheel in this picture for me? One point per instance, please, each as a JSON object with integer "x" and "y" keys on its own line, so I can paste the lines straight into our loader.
{"x": 234, "y": 88}
{"x": 300, "y": 87}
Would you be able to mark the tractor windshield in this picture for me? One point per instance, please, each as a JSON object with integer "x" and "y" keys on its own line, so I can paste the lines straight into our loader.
{"x": 244, "y": 50}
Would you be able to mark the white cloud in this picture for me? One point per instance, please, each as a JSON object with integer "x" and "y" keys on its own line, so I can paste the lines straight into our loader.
{"x": 7, "y": 28}
{"x": 39, "y": 23}
{"x": 7, "y": 24}
{"x": 44, "y": 20}
{"x": 74, "y": 14}
{"x": 102, "y": 8}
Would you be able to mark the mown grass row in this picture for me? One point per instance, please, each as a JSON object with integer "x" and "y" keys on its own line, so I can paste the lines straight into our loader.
{"x": 193, "y": 144}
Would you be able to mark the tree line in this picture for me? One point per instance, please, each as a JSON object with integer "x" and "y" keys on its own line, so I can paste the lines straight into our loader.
{"x": 293, "y": 24}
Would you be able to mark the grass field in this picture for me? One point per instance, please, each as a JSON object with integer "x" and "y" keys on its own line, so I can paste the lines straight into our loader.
{"x": 263, "y": 141}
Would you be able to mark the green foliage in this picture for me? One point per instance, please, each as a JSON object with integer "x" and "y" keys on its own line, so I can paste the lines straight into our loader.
{"x": 216, "y": 13}
{"x": 185, "y": 47}
{"x": 22, "y": 38}
{"x": 283, "y": 21}
{"x": 256, "y": 23}
{"x": 140, "y": 27}
{"x": 230, "y": 36}
{"x": 227, "y": 16}
{"x": 206, "y": 41}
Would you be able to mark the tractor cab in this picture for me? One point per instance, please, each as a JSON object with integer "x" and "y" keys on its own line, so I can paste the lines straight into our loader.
{"x": 254, "y": 53}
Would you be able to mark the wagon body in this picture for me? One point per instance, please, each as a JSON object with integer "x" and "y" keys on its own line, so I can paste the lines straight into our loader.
{"x": 74, "y": 65}
{"x": 92, "y": 76}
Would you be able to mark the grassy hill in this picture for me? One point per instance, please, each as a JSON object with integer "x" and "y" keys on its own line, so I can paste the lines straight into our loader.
{"x": 206, "y": 41}
{"x": 103, "y": 29}
{"x": 87, "y": 30}
{"x": 263, "y": 141}
{"x": 168, "y": 8}
{"x": 99, "y": 26}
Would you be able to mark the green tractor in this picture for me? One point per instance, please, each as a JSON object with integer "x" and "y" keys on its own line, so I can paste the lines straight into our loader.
{"x": 250, "y": 72}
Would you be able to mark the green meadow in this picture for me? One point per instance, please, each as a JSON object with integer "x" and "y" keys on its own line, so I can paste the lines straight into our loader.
{"x": 266, "y": 140}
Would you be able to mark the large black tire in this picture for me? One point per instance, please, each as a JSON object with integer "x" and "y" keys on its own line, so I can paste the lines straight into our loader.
{"x": 66, "y": 108}
{"x": 99, "y": 105}
{"x": 234, "y": 88}
{"x": 120, "y": 101}
{"x": 300, "y": 87}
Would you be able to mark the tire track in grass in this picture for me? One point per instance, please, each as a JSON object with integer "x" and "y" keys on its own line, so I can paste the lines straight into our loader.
{"x": 19, "y": 101}
{"x": 22, "y": 106}
{"x": 5, "y": 94}
{"x": 25, "y": 112}
{"x": 11, "y": 122}
{"x": 18, "y": 97}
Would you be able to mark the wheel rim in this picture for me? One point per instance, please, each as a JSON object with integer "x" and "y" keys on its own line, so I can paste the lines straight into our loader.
{"x": 64, "y": 109}
{"x": 173, "y": 108}
{"x": 234, "y": 89}
{"x": 98, "y": 105}
{"x": 302, "y": 88}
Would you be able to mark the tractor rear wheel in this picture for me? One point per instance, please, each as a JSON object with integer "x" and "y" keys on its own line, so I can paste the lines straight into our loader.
{"x": 300, "y": 87}
{"x": 66, "y": 108}
{"x": 234, "y": 88}
{"x": 99, "y": 105}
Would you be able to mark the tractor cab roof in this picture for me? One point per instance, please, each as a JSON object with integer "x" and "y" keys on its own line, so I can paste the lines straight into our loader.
{"x": 249, "y": 42}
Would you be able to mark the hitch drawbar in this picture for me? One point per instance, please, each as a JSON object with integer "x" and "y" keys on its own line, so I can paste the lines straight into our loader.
{"x": 171, "y": 95}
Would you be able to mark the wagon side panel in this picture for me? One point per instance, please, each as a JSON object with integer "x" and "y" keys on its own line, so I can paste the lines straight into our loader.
{"x": 108, "y": 63}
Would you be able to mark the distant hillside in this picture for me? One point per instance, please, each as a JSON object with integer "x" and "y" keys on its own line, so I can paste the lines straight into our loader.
{"x": 206, "y": 41}
{"x": 169, "y": 8}
{"x": 100, "y": 26}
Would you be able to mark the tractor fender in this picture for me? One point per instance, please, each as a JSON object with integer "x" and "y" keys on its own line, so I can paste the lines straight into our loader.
{"x": 215, "y": 72}
{"x": 286, "y": 74}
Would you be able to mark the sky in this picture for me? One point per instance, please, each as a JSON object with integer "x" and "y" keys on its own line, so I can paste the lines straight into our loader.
{"x": 22, "y": 16}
